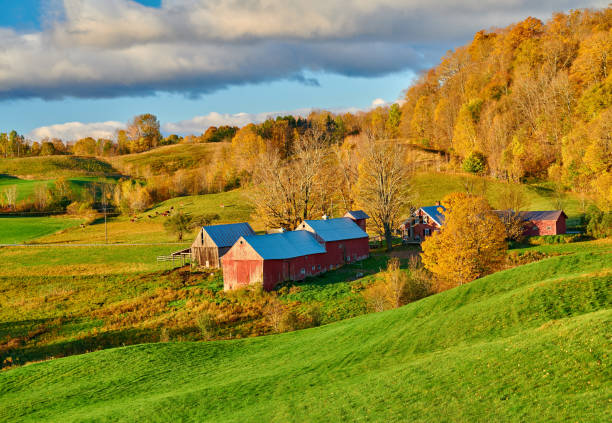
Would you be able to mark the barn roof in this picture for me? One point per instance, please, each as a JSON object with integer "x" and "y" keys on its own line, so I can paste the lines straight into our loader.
{"x": 542, "y": 215}
{"x": 227, "y": 235}
{"x": 285, "y": 245}
{"x": 337, "y": 229}
{"x": 357, "y": 214}
{"x": 436, "y": 213}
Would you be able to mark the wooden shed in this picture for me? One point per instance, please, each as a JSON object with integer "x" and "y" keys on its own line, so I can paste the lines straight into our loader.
{"x": 214, "y": 241}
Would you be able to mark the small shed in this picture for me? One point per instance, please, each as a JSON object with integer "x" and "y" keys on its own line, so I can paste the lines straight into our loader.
{"x": 359, "y": 217}
{"x": 272, "y": 258}
{"x": 214, "y": 241}
{"x": 344, "y": 240}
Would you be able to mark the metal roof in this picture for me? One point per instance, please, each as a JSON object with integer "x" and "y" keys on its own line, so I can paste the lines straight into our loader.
{"x": 285, "y": 245}
{"x": 337, "y": 229}
{"x": 227, "y": 235}
{"x": 541, "y": 215}
{"x": 357, "y": 214}
{"x": 436, "y": 213}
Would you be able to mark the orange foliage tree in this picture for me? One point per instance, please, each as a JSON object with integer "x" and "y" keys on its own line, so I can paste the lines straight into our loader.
{"x": 470, "y": 244}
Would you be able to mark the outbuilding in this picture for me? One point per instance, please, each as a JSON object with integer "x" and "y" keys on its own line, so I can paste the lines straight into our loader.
{"x": 344, "y": 240}
{"x": 359, "y": 217}
{"x": 214, "y": 241}
{"x": 271, "y": 259}
{"x": 550, "y": 222}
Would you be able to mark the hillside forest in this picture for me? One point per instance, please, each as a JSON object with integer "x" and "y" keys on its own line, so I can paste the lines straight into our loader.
{"x": 529, "y": 102}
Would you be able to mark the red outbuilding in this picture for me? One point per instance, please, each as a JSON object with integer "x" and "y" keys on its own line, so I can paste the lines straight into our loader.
{"x": 359, "y": 217}
{"x": 544, "y": 222}
{"x": 423, "y": 222}
{"x": 271, "y": 259}
{"x": 344, "y": 240}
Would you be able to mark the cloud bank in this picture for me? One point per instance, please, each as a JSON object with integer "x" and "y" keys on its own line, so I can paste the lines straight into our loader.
{"x": 71, "y": 131}
{"x": 94, "y": 49}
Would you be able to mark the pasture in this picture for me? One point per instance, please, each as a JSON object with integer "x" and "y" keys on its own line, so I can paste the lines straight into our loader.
{"x": 16, "y": 230}
{"x": 524, "y": 344}
{"x": 55, "y": 166}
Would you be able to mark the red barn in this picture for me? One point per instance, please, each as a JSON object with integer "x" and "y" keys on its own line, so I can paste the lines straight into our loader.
{"x": 344, "y": 240}
{"x": 423, "y": 222}
{"x": 544, "y": 222}
{"x": 359, "y": 217}
{"x": 271, "y": 259}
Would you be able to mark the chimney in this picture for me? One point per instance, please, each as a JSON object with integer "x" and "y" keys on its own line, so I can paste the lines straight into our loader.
{"x": 324, "y": 217}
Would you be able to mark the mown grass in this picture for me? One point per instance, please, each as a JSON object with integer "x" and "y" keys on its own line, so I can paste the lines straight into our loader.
{"x": 54, "y": 166}
{"x": 526, "y": 344}
{"x": 17, "y": 230}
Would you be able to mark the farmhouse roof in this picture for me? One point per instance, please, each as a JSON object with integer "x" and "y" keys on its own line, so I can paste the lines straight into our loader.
{"x": 357, "y": 214}
{"x": 227, "y": 235}
{"x": 285, "y": 245}
{"x": 337, "y": 229}
{"x": 435, "y": 212}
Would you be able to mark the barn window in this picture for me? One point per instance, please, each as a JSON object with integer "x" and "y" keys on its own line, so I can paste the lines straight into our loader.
{"x": 318, "y": 267}
{"x": 303, "y": 271}
{"x": 425, "y": 219}
{"x": 339, "y": 245}
{"x": 313, "y": 268}
{"x": 427, "y": 232}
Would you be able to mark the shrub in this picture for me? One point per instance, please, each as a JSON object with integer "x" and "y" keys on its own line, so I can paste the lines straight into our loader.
{"x": 599, "y": 223}
{"x": 556, "y": 239}
{"x": 475, "y": 163}
{"x": 207, "y": 323}
{"x": 79, "y": 208}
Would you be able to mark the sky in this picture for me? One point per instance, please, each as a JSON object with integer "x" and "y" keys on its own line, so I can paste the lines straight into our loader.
{"x": 75, "y": 68}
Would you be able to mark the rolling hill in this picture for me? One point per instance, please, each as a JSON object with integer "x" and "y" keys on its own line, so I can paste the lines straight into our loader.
{"x": 55, "y": 166}
{"x": 526, "y": 344}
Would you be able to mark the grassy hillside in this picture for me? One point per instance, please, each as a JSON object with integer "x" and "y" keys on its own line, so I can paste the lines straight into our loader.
{"x": 54, "y": 166}
{"x": 16, "y": 230}
{"x": 526, "y": 344}
{"x": 166, "y": 159}
{"x": 26, "y": 187}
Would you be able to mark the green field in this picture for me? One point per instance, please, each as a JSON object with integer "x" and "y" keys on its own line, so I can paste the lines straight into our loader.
{"x": 526, "y": 344}
{"x": 27, "y": 187}
{"x": 43, "y": 167}
{"x": 16, "y": 230}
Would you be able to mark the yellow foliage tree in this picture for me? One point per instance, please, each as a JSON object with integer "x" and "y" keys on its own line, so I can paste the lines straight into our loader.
{"x": 469, "y": 245}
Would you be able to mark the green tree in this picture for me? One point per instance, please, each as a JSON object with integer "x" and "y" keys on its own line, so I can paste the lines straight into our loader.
{"x": 179, "y": 223}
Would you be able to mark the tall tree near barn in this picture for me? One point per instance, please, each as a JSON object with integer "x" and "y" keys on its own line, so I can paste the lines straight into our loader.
{"x": 382, "y": 185}
{"x": 470, "y": 244}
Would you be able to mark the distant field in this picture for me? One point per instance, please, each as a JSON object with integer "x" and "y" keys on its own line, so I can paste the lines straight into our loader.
{"x": 16, "y": 230}
{"x": 27, "y": 187}
{"x": 236, "y": 207}
{"x": 525, "y": 344}
{"x": 54, "y": 166}
{"x": 166, "y": 159}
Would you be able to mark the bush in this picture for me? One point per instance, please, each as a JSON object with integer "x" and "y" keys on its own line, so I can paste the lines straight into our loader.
{"x": 599, "y": 223}
{"x": 556, "y": 239}
{"x": 207, "y": 323}
{"x": 475, "y": 163}
{"x": 79, "y": 208}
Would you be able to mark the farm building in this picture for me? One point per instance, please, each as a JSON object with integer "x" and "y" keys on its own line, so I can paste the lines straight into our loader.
{"x": 214, "y": 241}
{"x": 359, "y": 217}
{"x": 343, "y": 239}
{"x": 550, "y": 222}
{"x": 423, "y": 222}
{"x": 271, "y": 259}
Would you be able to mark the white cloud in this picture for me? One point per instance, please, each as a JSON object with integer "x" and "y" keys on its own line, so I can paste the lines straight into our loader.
{"x": 377, "y": 102}
{"x": 119, "y": 47}
{"x": 71, "y": 131}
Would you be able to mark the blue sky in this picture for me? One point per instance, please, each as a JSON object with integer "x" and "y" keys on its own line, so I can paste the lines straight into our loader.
{"x": 83, "y": 67}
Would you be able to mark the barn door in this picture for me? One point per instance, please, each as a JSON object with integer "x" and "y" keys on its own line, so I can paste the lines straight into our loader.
{"x": 286, "y": 271}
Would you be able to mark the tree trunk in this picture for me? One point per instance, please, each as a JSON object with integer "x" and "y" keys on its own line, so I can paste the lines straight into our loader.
{"x": 388, "y": 237}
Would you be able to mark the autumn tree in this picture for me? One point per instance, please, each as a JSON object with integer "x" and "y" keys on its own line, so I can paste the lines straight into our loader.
{"x": 144, "y": 132}
{"x": 382, "y": 186}
{"x": 470, "y": 244}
